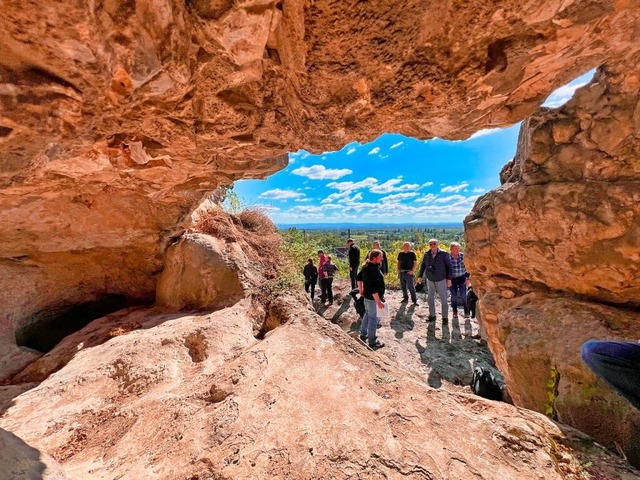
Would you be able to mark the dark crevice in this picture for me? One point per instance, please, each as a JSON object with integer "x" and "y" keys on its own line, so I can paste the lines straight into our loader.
{"x": 45, "y": 329}
{"x": 5, "y": 131}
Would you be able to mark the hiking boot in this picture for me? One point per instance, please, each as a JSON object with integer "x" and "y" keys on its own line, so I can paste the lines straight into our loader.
{"x": 363, "y": 338}
{"x": 445, "y": 319}
{"x": 415, "y": 302}
{"x": 376, "y": 345}
{"x": 432, "y": 318}
{"x": 404, "y": 300}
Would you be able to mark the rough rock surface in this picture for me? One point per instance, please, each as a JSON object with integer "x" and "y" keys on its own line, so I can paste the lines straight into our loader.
{"x": 117, "y": 117}
{"x": 202, "y": 271}
{"x": 555, "y": 253}
{"x": 197, "y": 396}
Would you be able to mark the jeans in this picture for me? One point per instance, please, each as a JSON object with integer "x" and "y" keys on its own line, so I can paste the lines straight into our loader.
{"x": 370, "y": 321}
{"x": 407, "y": 281}
{"x": 458, "y": 287}
{"x": 310, "y": 285}
{"x": 618, "y": 364}
{"x": 352, "y": 275}
{"x": 441, "y": 287}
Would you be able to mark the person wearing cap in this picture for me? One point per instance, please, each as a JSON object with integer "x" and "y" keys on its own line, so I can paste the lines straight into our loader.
{"x": 354, "y": 261}
{"x": 437, "y": 265}
{"x": 459, "y": 280}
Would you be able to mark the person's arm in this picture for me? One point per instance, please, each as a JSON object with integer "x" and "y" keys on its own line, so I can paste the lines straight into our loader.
{"x": 422, "y": 267}
{"x": 360, "y": 285}
{"x": 447, "y": 268}
{"x": 379, "y": 302}
{"x": 398, "y": 264}
{"x": 413, "y": 268}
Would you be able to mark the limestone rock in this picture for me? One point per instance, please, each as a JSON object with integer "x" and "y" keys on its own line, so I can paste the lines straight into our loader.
{"x": 198, "y": 396}
{"x": 202, "y": 271}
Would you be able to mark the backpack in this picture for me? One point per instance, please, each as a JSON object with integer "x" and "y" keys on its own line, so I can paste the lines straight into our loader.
{"x": 485, "y": 385}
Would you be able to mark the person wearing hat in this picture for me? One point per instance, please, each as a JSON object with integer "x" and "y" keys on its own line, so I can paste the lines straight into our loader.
{"x": 437, "y": 264}
{"x": 354, "y": 261}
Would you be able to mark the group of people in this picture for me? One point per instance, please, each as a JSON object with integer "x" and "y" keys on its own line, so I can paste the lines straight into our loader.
{"x": 618, "y": 363}
{"x": 440, "y": 270}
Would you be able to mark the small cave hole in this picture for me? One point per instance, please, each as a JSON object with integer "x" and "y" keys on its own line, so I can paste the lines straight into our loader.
{"x": 45, "y": 329}
{"x": 5, "y": 131}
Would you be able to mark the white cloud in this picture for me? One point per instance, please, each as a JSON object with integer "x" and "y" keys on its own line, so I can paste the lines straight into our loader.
{"x": 427, "y": 198}
{"x": 266, "y": 208}
{"x": 391, "y": 186}
{"x": 484, "y": 132}
{"x": 398, "y": 197}
{"x": 450, "y": 198}
{"x": 396, "y": 145}
{"x": 305, "y": 199}
{"x": 350, "y": 186}
{"x": 478, "y": 190}
{"x": 426, "y": 184}
{"x": 351, "y": 150}
{"x": 562, "y": 95}
{"x": 278, "y": 194}
{"x": 455, "y": 188}
{"x": 374, "y": 151}
{"x": 319, "y": 172}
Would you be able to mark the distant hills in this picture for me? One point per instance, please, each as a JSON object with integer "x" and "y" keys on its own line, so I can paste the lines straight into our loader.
{"x": 367, "y": 226}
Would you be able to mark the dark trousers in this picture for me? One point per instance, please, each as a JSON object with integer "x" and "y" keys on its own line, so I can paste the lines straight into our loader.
{"x": 407, "y": 282}
{"x": 458, "y": 288}
{"x": 618, "y": 364}
{"x": 310, "y": 285}
{"x": 352, "y": 275}
{"x": 328, "y": 285}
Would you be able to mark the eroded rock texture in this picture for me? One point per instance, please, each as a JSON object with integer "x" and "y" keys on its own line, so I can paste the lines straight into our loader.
{"x": 173, "y": 397}
{"x": 556, "y": 252}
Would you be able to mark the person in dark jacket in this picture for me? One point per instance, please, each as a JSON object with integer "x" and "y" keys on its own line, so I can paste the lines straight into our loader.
{"x": 329, "y": 269}
{"x": 354, "y": 261}
{"x": 310, "y": 277}
{"x": 437, "y": 264}
{"x": 384, "y": 266}
{"x": 373, "y": 286}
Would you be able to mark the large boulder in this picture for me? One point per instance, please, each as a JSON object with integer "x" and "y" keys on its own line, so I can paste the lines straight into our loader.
{"x": 202, "y": 272}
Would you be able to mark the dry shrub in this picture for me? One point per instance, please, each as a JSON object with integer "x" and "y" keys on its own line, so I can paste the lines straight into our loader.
{"x": 251, "y": 228}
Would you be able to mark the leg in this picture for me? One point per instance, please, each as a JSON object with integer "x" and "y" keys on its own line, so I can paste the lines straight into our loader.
{"x": 454, "y": 297}
{"x": 313, "y": 290}
{"x": 431, "y": 298}
{"x": 372, "y": 324}
{"x": 618, "y": 364}
{"x": 442, "y": 293}
{"x": 330, "y": 289}
{"x": 403, "y": 285}
{"x": 352, "y": 274}
{"x": 463, "y": 293}
{"x": 412, "y": 287}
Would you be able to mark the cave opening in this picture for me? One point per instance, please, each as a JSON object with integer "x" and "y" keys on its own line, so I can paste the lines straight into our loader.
{"x": 393, "y": 179}
{"x": 43, "y": 330}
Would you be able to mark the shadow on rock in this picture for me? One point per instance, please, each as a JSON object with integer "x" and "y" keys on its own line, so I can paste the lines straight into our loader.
{"x": 18, "y": 459}
{"x": 403, "y": 320}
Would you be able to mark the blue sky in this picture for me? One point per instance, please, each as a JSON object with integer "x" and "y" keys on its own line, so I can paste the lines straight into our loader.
{"x": 394, "y": 179}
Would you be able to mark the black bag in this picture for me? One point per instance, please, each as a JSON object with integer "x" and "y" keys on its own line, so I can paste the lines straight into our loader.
{"x": 419, "y": 287}
{"x": 484, "y": 384}
{"x": 359, "y": 304}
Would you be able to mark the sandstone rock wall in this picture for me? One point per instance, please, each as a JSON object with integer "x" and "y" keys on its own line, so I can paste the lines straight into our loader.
{"x": 555, "y": 253}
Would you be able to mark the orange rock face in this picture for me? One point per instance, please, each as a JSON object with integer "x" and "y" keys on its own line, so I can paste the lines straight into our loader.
{"x": 562, "y": 233}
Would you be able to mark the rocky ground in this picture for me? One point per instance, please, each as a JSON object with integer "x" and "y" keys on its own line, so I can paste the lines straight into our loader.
{"x": 443, "y": 353}
{"x": 147, "y": 394}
